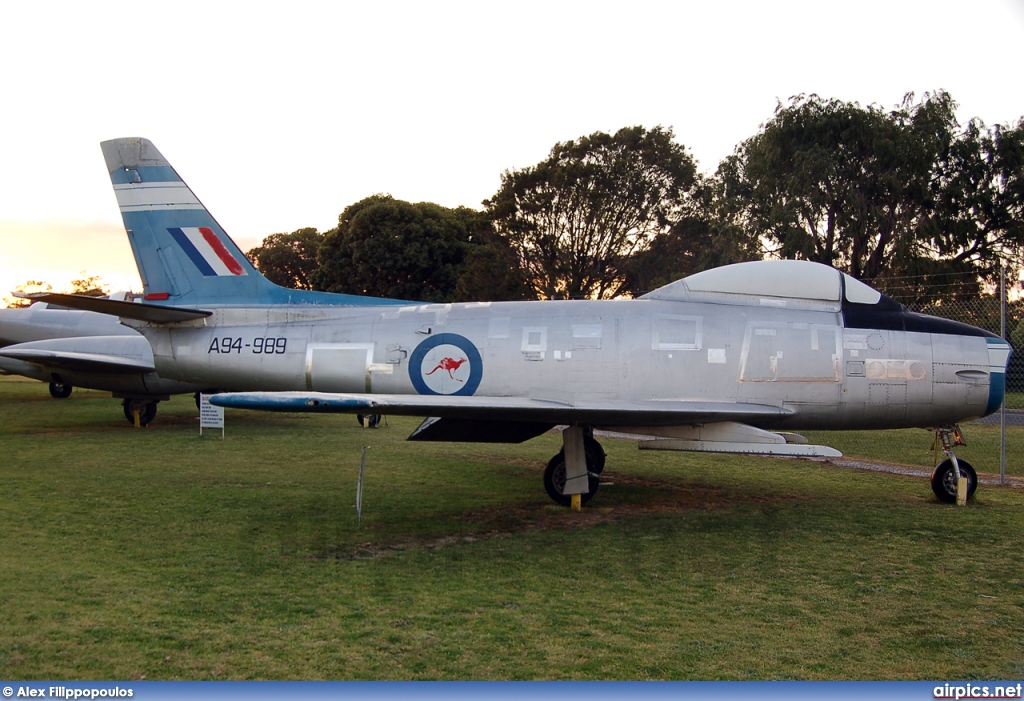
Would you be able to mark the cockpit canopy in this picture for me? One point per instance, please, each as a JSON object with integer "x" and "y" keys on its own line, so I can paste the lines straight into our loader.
{"x": 771, "y": 283}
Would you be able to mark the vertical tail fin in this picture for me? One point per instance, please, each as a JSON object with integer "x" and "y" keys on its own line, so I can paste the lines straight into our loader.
{"x": 183, "y": 254}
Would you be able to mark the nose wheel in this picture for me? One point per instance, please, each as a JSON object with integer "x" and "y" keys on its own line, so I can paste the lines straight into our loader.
{"x": 945, "y": 480}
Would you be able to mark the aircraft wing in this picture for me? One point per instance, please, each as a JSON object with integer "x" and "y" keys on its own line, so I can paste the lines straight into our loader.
{"x": 106, "y": 354}
{"x": 691, "y": 425}
{"x": 597, "y": 411}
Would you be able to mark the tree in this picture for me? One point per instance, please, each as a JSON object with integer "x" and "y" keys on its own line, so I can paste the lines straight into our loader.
{"x": 879, "y": 194}
{"x": 385, "y": 247}
{"x": 977, "y": 221}
{"x": 699, "y": 240}
{"x": 691, "y": 245}
{"x": 90, "y": 286}
{"x": 27, "y": 287}
{"x": 576, "y": 217}
{"x": 491, "y": 270}
{"x": 288, "y": 260}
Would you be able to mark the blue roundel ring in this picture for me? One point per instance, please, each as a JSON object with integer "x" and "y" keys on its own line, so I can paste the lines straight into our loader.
{"x": 476, "y": 366}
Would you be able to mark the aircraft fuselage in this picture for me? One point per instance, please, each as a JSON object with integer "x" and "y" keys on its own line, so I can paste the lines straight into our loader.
{"x": 806, "y": 359}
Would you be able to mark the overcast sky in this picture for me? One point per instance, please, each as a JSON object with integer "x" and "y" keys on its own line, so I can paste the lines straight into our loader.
{"x": 279, "y": 115}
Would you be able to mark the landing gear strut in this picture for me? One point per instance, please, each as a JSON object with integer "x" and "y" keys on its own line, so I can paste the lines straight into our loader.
{"x": 561, "y": 481}
{"x": 954, "y": 480}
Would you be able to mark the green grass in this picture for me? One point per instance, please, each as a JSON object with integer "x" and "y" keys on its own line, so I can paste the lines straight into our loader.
{"x": 914, "y": 446}
{"x": 1015, "y": 400}
{"x": 155, "y": 553}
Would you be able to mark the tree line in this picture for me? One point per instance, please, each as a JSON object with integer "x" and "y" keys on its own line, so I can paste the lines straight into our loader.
{"x": 904, "y": 198}
{"x": 906, "y": 193}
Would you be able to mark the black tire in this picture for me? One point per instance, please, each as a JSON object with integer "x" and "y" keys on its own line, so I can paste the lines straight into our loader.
{"x": 373, "y": 420}
{"x": 554, "y": 481}
{"x": 60, "y": 390}
{"x": 595, "y": 455}
{"x": 147, "y": 411}
{"x": 944, "y": 480}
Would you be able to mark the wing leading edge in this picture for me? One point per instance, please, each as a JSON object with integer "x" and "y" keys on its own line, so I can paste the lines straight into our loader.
{"x": 601, "y": 412}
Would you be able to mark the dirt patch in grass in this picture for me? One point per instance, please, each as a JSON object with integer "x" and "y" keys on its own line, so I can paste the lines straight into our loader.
{"x": 653, "y": 497}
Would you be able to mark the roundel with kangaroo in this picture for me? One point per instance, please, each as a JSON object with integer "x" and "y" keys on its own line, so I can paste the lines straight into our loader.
{"x": 446, "y": 364}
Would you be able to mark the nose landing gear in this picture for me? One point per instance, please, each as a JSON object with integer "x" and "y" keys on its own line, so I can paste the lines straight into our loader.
{"x": 954, "y": 480}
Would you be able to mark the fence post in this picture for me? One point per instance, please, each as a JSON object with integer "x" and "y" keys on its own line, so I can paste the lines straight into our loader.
{"x": 1002, "y": 409}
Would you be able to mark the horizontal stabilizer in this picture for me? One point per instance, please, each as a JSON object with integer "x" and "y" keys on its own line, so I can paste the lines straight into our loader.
{"x": 126, "y": 310}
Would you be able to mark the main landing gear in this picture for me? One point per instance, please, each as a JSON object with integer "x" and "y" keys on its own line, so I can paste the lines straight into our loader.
{"x": 954, "y": 480}
{"x": 60, "y": 389}
{"x": 368, "y": 420}
{"x": 581, "y": 457}
{"x": 139, "y": 412}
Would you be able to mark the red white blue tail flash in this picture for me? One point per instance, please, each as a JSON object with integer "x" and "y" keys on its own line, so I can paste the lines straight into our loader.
{"x": 204, "y": 249}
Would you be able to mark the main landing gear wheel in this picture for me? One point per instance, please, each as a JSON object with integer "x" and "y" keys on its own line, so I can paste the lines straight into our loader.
{"x": 147, "y": 411}
{"x": 60, "y": 390}
{"x": 368, "y": 420}
{"x": 554, "y": 474}
{"x": 595, "y": 454}
{"x": 944, "y": 480}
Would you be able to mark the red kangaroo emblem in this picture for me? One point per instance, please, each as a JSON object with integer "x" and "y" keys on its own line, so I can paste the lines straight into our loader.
{"x": 449, "y": 364}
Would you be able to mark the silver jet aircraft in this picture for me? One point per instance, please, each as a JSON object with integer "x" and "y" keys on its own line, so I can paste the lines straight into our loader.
{"x": 733, "y": 359}
{"x": 69, "y": 348}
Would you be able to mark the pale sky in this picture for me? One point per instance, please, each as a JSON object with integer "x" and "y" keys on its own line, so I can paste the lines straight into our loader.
{"x": 279, "y": 115}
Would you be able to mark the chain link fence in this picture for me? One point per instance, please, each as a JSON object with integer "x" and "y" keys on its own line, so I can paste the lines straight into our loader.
{"x": 995, "y": 444}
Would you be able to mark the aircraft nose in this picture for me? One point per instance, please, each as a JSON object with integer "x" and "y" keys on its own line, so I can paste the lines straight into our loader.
{"x": 999, "y": 352}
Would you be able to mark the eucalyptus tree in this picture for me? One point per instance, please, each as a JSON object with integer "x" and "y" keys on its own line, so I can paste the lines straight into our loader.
{"x": 289, "y": 260}
{"x": 880, "y": 193}
{"x": 385, "y": 247}
{"x": 575, "y": 219}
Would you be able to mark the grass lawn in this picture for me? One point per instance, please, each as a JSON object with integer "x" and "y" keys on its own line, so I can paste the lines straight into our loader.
{"x": 913, "y": 446}
{"x": 153, "y": 553}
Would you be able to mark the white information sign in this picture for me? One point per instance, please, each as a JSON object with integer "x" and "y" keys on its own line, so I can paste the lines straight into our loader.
{"x": 210, "y": 416}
